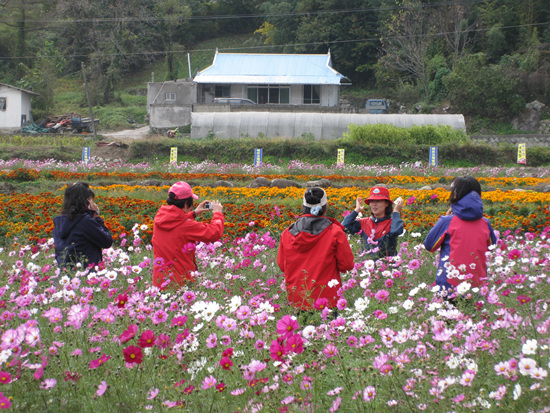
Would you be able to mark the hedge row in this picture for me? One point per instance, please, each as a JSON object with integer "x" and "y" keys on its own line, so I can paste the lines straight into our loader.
{"x": 242, "y": 151}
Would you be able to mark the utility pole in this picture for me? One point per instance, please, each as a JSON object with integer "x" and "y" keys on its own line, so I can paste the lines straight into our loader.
{"x": 88, "y": 98}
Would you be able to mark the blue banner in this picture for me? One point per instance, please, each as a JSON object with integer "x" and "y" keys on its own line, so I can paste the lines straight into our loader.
{"x": 258, "y": 156}
{"x": 86, "y": 155}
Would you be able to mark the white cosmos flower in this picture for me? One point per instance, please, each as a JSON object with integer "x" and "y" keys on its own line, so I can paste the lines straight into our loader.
{"x": 463, "y": 287}
{"x": 530, "y": 347}
{"x": 333, "y": 283}
{"x": 143, "y": 227}
{"x": 408, "y": 304}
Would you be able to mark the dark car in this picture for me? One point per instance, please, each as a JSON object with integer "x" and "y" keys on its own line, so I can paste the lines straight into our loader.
{"x": 377, "y": 106}
{"x": 233, "y": 101}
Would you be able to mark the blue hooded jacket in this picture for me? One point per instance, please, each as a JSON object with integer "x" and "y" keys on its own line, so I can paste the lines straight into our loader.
{"x": 81, "y": 239}
{"x": 464, "y": 238}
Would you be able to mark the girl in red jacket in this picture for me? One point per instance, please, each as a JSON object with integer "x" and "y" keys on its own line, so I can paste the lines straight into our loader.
{"x": 313, "y": 252}
{"x": 175, "y": 233}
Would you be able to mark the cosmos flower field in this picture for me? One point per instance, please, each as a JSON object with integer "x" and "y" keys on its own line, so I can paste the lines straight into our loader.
{"x": 103, "y": 339}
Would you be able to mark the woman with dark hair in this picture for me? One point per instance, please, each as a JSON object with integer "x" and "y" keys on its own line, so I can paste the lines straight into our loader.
{"x": 175, "y": 233}
{"x": 313, "y": 252}
{"x": 79, "y": 233}
{"x": 463, "y": 235}
{"x": 380, "y": 230}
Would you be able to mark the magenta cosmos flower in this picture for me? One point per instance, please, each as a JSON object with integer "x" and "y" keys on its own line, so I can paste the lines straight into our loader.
{"x": 133, "y": 354}
{"x": 286, "y": 326}
{"x": 147, "y": 339}
{"x": 276, "y": 351}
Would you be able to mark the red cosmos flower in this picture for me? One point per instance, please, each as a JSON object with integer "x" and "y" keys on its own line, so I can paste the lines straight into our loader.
{"x": 121, "y": 300}
{"x": 147, "y": 339}
{"x": 226, "y": 363}
{"x": 220, "y": 386}
{"x": 133, "y": 354}
{"x": 228, "y": 352}
{"x": 189, "y": 389}
{"x": 523, "y": 299}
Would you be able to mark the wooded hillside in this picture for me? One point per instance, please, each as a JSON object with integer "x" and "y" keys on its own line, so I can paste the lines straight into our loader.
{"x": 486, "y": 57}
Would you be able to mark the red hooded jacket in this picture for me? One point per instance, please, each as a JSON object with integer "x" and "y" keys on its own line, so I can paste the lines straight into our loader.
{"x": 175, "y": 234}
{"x": 312, "y": 252}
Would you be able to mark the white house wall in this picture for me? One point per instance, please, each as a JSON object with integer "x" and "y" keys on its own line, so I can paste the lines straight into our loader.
{"x": 11, "y": 117}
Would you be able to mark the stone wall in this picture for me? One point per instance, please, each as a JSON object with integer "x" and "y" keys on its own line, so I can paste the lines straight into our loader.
{"x": 528, "y": 139}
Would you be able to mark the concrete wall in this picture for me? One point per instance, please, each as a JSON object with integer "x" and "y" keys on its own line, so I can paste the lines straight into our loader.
{"x": 293, "y": 124}
{"x": 167, "y": 114}
{"x": 528, "y": 140}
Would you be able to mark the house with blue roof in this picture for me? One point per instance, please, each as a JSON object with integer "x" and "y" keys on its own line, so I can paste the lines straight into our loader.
{"x": 279, "y": 79}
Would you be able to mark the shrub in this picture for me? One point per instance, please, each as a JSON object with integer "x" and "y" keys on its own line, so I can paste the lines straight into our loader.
{"x": 380, "y": 134}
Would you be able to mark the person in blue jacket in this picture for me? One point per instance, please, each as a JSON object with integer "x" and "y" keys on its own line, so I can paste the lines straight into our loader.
{"x": 80, "y": 234}
{"x": 463, "y": 235}
{"x": 380, "y": 230}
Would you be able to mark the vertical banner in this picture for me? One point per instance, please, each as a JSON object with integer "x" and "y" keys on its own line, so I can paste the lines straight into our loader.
{"x": 340, "y": 158}
{"x": 433, "y": 155}
{"x": 522, "y": 158}
{"x": 258, "y": 156}
{"x": 86, "y": 155}
{"x": 174, "y": 154}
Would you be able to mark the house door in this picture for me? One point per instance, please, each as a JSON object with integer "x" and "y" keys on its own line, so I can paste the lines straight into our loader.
{"x": 23, "y": 119}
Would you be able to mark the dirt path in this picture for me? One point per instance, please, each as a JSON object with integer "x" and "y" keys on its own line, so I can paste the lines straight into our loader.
{"x": 140, "y": 133}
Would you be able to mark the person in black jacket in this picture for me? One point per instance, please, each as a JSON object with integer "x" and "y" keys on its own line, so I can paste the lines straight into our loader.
{"x": 79, "y": 233}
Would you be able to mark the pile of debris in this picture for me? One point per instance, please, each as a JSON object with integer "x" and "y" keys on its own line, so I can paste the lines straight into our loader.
{"x": 67, "y": 123}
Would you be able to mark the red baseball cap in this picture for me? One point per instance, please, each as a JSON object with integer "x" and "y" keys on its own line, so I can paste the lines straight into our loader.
{"x": 182, "y": 190}
{"x": 378, "y": 193}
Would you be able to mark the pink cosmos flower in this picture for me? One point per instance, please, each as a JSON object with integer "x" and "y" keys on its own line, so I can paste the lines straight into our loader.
{"x": 5, "y": 402}
{"x": 209, "y": 382}
{"x": 369, "y": 393}
{"x": 382, "y": 295}
{"x": 5, "y": 377}
{"x": 286, "y": 326}
{"x": 335, "y": 405}
{"x": 152, "y": 394}
{"x": 129, "y": 333}
{"x": 101, "y": 389}
{"x": 386, "y": 369}
{"x": 160, "y": 316}
{"x": 48, "y": 384}
{"x": 179, "y": 321}
{"x": 94, "y": 364}
{"x": 276, "y": 351}
{"x": 320, "y": 303}
{"x": 189, "y": 296}
{"x": 411, "y": 200}
{"x": 295, "y": 344}
{"x": 467, "y": 377}
{"x": 523, "y": 299}
{"x": 341, "y": 304}
{"x": 212, "y": 340}
{"x": 514, "y": 254}
{"x": 259, "y": 344}
{"x": 330, "y": 351}
{"x": 243, "y": 312}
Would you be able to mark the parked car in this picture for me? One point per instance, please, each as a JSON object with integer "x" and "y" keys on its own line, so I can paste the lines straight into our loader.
{"x": 234, "y": 101}
{"x": 377, "y": 105}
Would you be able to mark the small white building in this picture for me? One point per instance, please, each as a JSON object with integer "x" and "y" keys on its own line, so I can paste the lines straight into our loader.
{"x": 280, "y": 79}
{"x": 15, "y": 107}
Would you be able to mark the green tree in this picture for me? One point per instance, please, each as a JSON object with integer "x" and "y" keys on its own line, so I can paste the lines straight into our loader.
{"x": 479, "y": 88}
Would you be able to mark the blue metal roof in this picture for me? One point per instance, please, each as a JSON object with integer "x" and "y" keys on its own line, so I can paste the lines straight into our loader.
{"x": 286, "y": 69}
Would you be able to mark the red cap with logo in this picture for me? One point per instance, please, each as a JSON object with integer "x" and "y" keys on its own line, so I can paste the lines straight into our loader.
{"x": 378, "y": 193}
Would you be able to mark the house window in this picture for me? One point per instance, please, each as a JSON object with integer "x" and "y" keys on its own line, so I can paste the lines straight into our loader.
{"x": 311, "y": 95}
{"x": 2, "y": 103}
{"x": 222, "y": 91}
{"x": 268, "y": 94}
{"x": 170, "y": 97}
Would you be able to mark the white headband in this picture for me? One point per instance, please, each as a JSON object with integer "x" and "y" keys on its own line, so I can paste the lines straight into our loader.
{"x": 321, "y": 203}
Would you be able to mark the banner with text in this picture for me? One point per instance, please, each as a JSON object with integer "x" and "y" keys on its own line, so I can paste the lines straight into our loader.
{"x": 86, "y": 155}
{"x": 340, "y": 158}
{"x": 433, "y": 156}
{"x": 521, "y": 154}
{"x": 258, "y": 156}
{"x": 174, "y": 154}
